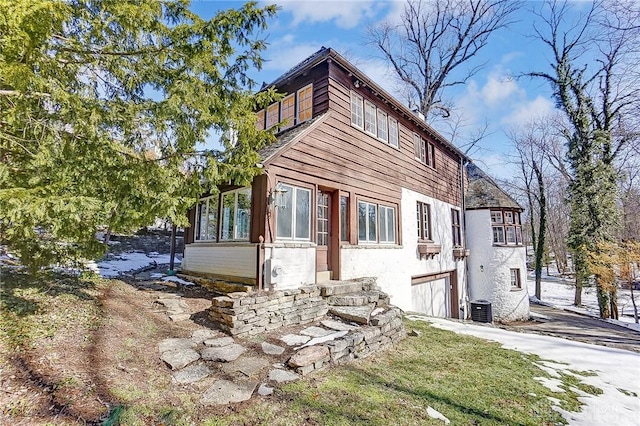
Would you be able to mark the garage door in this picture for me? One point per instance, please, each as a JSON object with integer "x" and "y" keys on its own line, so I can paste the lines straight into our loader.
{"x": 431, "y": 298}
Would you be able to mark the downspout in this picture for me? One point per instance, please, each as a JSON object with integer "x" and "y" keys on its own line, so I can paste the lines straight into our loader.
{"x": 463, "y": 225}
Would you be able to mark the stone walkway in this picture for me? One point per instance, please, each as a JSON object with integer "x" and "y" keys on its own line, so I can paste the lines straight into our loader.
{"x": 241, "y": 368}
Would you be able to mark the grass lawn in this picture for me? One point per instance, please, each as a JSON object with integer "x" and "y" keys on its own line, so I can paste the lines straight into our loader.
{"x": 74, "y": 350}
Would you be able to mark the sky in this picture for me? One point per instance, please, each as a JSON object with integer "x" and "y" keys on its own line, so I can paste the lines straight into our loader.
{"x": 491, "y": 97}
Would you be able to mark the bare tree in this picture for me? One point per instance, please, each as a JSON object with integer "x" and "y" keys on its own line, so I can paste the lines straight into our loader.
{"x": 432, "y": 48}
{"x": 599, "y": 100}
{"x": 532, "y": 164}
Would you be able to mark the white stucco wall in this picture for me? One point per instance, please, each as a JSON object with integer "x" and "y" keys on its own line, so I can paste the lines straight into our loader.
{"x": 296, "y": 262}
{"x": 395, "y": 265}
{"x": 236, "y": 260}
{"x": 489, "y": 270}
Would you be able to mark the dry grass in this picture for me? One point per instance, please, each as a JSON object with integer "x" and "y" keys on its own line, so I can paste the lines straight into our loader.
{"x": 84, "y": 351}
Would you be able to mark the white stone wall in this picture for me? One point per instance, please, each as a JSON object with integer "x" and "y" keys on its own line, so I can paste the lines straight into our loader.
{"x": 395, "y": 265}
{"x": 489, "y": 270}
{"x": 236, "y": 260}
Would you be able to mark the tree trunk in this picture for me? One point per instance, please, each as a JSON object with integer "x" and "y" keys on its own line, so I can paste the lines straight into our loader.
{"x": 580, "y": 269}
{"x": 542, "y": 228}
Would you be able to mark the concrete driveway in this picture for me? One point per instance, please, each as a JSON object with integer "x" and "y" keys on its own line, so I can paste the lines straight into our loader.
{"x": 569, "y": 325}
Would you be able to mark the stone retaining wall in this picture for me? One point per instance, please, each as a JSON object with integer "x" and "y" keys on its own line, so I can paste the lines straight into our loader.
{"x": 385, "y": 330}
{"x": 245, "y": 314}
{"x": 242, "y": 314}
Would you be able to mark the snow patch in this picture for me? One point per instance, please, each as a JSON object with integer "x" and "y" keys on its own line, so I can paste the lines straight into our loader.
{"x": 616, "y": 369}
{"x": 437, "y": 415}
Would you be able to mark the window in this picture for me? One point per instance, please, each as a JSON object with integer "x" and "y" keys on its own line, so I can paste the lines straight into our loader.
{"x": 431, "y": 154}
{"x": 357, "y": 113}
{"x": 455, "y": 228}
{"x": 236, "y": 215}
{"x": 344, "y": 218}
{"x": 293, "y": 219}
{"x": 374, "y": 121}
{"x": 496, "y": 217}
{"x": 305, "y": 103}
{"x": 515, "y": 278}
{"x": 506, "y": 227}
{"x": 370, "y": 118}
{"x": 394, "y": 136}
{"x": 425, "y": 151}
{"x": 367, "y": 220}
{"x": 207, "y": 219}
{"x": 260, "y": 120}
{"x": 383, "y": 132}
{"x": 376, "y": 223}
{"x": 288, "y": 111}
{"x": 387, "y": 224}
{"x": 423, "y": 216}
{"x": 420, "y": 147}
{"x": 498, "y": 235}
{"x": 508, "y": 217}
{"x": 272, "y": 114}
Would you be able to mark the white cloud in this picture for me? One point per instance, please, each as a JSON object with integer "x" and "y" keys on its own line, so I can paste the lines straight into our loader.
{"x": 345, "y": 14}
{"x": 498, "y": 88}
{"x": 529, "y": 110}
{"x": 285, "y": 53}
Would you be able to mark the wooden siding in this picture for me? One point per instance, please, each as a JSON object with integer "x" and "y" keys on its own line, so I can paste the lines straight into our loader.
{"x": 319, "y": 77}
{"x": 217, "y": 258}
{"x": 400, "y": 166}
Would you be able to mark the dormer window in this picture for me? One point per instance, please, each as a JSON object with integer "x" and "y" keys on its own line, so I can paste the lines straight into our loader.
{"x": 305, "y": 103}
{"x": 293, "y": 109}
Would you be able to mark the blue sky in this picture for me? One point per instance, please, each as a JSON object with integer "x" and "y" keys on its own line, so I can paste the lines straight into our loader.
{"x": 491, "y": 96}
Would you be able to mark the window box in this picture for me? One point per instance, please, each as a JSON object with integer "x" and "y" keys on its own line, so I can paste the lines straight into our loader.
{"x": 460, "y": 252}
{"x": 429, "y": 250}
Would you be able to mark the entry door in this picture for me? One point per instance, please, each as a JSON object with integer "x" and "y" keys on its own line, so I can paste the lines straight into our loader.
{"x": 323, "y": 230}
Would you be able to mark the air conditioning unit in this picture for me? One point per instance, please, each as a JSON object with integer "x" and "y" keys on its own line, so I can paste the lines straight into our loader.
{"x": 481, "y": 311}
{"x": 273, "y": 272}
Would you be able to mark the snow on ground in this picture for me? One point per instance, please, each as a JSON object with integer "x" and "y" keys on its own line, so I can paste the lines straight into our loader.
{"x": 116, "y": 265}
{"x": 618, "y": 371}
{"x": 559, "y": 293}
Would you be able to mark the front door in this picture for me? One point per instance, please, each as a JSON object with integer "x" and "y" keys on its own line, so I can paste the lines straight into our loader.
{"x": 323, "y": 236}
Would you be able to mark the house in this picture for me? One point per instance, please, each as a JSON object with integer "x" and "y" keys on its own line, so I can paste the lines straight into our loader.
{"x": 497, "y": 266}
{"x": 357, "y": 185}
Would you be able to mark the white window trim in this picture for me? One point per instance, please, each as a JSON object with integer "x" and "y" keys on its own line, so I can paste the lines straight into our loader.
{"x": 366, "y": 240}
{"x": 294, "y": 195}
{"x": 236, "y": 192}
{"x": 396, "y": 132}
{"x": 386, "y": 229}
{"x": 370, "y": 110}
{"x": 357, "y": 100}
{"x": 199, "y": 223}
{"x": 383, "y": 134}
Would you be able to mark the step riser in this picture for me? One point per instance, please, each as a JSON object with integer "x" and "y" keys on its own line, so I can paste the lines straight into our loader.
{"x": 334, "y": 288}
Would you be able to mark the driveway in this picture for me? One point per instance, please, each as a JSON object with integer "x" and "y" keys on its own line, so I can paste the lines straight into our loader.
{"x": 569, "y": 325}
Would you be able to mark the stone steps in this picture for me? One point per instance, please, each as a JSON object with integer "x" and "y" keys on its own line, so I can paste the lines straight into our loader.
{"x": 354, "y": 300}
{"x": 360, "y": 298}
{"x": 336, "y": 287}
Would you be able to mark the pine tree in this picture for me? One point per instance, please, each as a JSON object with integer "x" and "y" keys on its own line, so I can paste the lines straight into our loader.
{"x": 105, "y": 106}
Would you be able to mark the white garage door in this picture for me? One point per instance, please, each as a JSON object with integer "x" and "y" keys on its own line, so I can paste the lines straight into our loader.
{"x": 431, "y": 298}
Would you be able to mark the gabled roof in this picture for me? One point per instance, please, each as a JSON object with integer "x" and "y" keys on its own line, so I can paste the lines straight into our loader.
{"x": 288, "y": 138}
{"x": 483, "y": 192}
{"x": 327, "y": 53}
